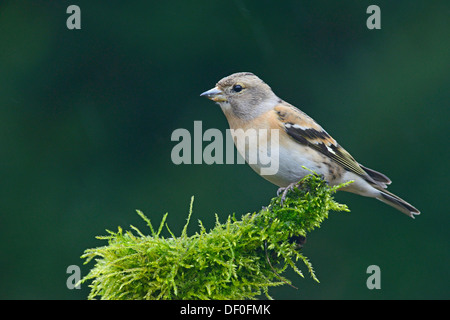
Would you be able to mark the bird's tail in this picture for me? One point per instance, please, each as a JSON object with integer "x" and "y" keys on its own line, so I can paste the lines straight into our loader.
{"x": 398, "y": 203}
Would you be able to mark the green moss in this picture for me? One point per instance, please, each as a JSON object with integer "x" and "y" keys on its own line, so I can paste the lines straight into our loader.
{"x": 237, "y": 259}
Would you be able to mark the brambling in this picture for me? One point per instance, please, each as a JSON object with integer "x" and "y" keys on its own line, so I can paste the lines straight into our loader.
{"x": 249, "y": 103}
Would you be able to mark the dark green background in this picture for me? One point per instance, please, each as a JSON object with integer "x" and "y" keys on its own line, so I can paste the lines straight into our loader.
{"x": 87, "y": 115}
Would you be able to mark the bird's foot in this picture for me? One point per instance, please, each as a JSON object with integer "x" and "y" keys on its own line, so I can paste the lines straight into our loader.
{"x": 284, "y": 191}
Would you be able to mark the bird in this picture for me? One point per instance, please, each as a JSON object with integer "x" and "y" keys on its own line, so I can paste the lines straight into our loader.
{"x": 302, "y": 144}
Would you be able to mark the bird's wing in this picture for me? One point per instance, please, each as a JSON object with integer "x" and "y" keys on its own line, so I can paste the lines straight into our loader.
{"x": 306, "y": 131}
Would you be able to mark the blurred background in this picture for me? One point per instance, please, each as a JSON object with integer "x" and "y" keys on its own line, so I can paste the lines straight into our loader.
{"x": 87, "y": 117}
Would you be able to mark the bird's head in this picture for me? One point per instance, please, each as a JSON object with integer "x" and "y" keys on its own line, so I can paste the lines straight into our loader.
{"x": 244, "y": 94}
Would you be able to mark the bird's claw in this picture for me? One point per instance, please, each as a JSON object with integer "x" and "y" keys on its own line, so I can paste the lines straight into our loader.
{"x": 284, "y": 191}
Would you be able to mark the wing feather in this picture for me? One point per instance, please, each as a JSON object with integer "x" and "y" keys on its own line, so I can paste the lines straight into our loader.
{"x": 306, "y": 131}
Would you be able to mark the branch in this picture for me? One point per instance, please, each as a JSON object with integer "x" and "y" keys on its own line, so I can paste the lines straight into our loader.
{"x": 237, "y": 259}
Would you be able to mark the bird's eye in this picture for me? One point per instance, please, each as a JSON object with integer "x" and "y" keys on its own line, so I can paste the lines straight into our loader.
{"x": 237, "y": 88}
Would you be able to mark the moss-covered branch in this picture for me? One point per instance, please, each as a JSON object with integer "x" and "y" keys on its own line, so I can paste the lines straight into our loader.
{"x": 237, "y": 259}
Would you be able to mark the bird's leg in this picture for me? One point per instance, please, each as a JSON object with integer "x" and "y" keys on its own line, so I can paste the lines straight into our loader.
{"x": 284, "y": 191}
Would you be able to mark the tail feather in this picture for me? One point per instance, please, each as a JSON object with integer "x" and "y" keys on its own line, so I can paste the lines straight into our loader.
{"x": 378, "y": 177}
{"x": 398, "y": 203}
{"x": 380, "y": 182}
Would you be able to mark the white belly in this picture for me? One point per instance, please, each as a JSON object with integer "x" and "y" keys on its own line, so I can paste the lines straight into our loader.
{"x": 283, "y": 165}
{"x": 291, "y": 163}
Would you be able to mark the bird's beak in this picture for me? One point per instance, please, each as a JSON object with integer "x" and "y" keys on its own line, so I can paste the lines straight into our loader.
{"x": 215, "y": 94}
